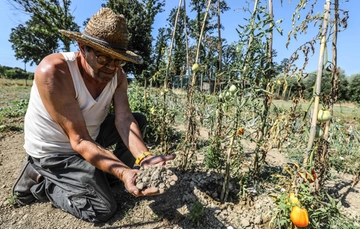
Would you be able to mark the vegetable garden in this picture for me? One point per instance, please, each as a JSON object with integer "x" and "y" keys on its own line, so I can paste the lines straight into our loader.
{"x": 316, "y": 139}
{"x": 319, "y": 137}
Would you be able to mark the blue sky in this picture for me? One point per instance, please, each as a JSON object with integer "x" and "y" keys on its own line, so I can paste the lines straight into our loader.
{"x": 348, "y": 48}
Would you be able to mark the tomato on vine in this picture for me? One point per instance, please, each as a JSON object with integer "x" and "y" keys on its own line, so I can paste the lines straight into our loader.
{"x": 299, "y": 216}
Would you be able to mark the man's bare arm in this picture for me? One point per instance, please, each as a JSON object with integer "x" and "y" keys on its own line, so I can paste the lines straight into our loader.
{"x": 128, "y": 127}
{"x": 125, "y": 121}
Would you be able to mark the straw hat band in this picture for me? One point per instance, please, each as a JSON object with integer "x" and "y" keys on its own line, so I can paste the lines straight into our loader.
{"x": 106, "y": 43}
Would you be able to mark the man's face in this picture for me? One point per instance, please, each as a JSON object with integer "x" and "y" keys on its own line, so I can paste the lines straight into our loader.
{"x": 103, "y": 66}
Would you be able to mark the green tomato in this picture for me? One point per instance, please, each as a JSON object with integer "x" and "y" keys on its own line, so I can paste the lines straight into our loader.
{"x": 195, "y": 67}
{"x": 232, "y": 89}
{"x": 323, "y": 115}
{"x": 227, "y": 95}
{"x": 221, "y": 95}
{"x": 319, "y": 132}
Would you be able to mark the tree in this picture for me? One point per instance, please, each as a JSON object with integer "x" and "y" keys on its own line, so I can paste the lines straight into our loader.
{"x": 32, "y": 42}
{"x": 285, "y": 65}
{"x": 179, "y": 50}
{"x": 354, "y": 88}
{"x": 326, "y": 85}
{"x": 140, "y": 16}
{"x": 158, "y": 58}
{"x": 39, "y": 36}
{"x": 210, "y": 54}
{"x": 17, "y": 73}
{"x": 2, "y": 71}
{"x": 343, "y": 87}
{"x": 52, "y": 15}
{"x": 195, "y": 25}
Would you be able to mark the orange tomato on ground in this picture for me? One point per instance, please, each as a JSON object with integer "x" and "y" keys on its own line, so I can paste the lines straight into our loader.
{"x": 299, "y": 216}
{"x": 240, "y": 131}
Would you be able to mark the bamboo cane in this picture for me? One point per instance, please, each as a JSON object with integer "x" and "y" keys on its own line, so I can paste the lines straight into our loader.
{"x": 318, "y": 80}
{"x": 199, "y": 42}
{"x": 186, "y": 42}
{"x": 171, "y": 45}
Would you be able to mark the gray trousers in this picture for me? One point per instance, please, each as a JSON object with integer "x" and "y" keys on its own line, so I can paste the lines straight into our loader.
{"x": 75, "y": 186}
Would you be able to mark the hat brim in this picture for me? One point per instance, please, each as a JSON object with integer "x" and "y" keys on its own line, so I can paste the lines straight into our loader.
{"x": 119, "y": 54}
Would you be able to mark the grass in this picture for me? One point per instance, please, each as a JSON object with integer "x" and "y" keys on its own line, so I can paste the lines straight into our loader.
{"x": 13, "y": 90}
{"x": 15, "y": 82}
{"x": 342, "y": 110}
{"x": 14, "y": 95}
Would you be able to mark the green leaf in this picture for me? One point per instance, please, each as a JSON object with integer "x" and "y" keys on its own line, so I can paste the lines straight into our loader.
{"x": 339, "y": 205}
{"x": 279, "y": 21}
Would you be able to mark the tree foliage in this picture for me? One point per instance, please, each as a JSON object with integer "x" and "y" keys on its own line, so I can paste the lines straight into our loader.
{"x": 309, "y": 83}
{"x": 208, "y": 48}
{"x": 179, "y": 48}
{"x": 159, "y": 58}
{"x": 31, "y": 42}
{"x": 354, "y": 88}
{"x": 14, "y": 73}
{"x": 39, "y": 36}
{"x": 140, "y": 16}
{"x": 199, "y": 6}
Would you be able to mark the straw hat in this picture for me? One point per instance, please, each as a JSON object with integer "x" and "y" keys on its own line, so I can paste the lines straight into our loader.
{"x": 106, "y": 32}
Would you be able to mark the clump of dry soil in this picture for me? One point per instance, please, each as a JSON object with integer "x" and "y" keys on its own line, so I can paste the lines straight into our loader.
{"x": 155, "y": 177}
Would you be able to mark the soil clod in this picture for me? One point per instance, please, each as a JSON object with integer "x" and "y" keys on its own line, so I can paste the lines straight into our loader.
{"x": 155, "y": 177}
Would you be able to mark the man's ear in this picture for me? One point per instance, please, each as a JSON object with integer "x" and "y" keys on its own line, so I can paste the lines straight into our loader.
{"x": 81, "y": 49}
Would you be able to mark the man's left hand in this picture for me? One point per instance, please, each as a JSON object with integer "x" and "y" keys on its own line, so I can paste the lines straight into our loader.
{"x": 157, "y": 160}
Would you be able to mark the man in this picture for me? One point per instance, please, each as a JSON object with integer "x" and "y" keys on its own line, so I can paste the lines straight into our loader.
{"x": 67, "y": 125}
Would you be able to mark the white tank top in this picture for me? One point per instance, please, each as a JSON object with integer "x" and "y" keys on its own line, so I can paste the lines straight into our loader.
{"x": 44, "y": 137}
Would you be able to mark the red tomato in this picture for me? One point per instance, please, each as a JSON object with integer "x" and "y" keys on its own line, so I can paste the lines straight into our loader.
{"x": 313, "y": 178}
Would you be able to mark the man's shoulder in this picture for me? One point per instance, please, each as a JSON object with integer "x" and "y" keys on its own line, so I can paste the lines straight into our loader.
{"x": 52, "y": 65}
{"x": 55, "y": 58}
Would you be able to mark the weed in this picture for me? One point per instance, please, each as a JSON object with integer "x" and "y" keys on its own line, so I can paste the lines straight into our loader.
{"x": 196, "y": 213}
{"x": 16, "y": 109}
{"x": 12, "y": 199}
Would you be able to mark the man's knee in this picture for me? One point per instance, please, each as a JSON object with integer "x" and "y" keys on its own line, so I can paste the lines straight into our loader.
{"x": 91, "y": 210}
{"x": 104, "y": 214}
{"x": 89, "y": 198}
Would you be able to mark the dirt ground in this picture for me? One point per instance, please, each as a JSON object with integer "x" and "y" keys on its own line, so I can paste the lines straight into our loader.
{"x": 176, "y": 208}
